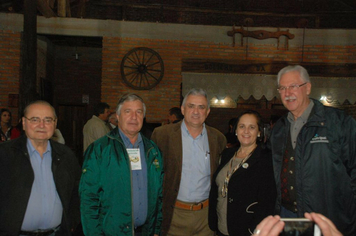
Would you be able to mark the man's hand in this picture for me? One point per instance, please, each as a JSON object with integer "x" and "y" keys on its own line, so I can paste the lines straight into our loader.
{"x": 272, "y": 226}
{"x": 326, "y": 226}
{"x": 269, "y": 226}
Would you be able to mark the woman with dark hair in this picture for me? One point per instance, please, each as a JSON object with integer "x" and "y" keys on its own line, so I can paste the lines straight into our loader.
{"x": 243, "y": 190}
{"x": 7, "y": 132}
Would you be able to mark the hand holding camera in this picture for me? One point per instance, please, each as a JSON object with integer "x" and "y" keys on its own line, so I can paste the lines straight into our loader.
{"x": 274, "y": 226}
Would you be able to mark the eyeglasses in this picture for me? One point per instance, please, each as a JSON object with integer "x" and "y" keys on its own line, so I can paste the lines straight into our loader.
{"x": 293, "y": 87}
{"x": 37, "y": 120}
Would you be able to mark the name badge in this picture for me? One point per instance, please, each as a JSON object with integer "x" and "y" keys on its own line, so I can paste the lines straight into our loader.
{"x": 135, "y": 158}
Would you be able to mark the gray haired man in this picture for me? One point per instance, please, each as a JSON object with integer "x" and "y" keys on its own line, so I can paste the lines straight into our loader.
{"x": 121, "y": 184}
{"x": 191, "y": 152}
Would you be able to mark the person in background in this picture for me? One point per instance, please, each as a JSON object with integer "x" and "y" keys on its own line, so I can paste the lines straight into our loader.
{"x": 113, "y": 122}
{"x": 121, "y": 184}
{"x": 273, "y": 226}
{"x": 58, "y": 137}
{"x": 96, "y": 127}
{"x": 191, "y": 150}
{"x": 39, "y": 179}
{"x": 243, "y": 191}
{"x": 174, "y": 115}
{"x": 272, "y": 122}
{"x": 314, "y": 155}
{"x": 231, "y": 135}
{"x": 7, "y": 131}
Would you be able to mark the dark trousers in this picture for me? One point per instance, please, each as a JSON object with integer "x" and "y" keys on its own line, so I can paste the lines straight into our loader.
{"x": 220, "y": 234}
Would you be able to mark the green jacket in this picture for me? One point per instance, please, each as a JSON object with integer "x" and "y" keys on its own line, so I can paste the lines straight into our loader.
{"x": 105, "y": 188}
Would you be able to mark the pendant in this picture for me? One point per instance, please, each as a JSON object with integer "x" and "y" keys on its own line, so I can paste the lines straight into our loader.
{"x": 245, "y": 165}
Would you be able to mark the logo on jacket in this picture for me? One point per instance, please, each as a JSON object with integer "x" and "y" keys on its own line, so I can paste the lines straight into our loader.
{"x": 319, "y": 139}
{"x": 156, "y": 163}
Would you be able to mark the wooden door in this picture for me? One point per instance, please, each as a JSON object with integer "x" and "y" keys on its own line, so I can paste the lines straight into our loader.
{"x": 71, "y": 120}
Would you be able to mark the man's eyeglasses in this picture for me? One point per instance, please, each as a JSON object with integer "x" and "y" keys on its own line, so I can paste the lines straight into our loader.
{"x": 293, "y": 87}
{"x": 37, "y": 120}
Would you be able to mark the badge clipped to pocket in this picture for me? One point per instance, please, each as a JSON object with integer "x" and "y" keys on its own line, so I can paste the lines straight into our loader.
{"x": 135, "y": 158}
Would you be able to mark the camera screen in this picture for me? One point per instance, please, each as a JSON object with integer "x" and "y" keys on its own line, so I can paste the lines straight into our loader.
{"x": 298, "y": 227}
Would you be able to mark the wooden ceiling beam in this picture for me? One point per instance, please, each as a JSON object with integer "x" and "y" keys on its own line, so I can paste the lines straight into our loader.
{"x": 61, "y": 8}
{"x": 69, "y": 13}
{"x": 51, "y": 3}
{"x": 81, "y": 8}
{"x": 45, "y": 9}
{"x": 265, "y": 67}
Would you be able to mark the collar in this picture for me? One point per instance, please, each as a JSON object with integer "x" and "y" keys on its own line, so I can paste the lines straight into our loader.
{"x": 97, "y": 118}
{"x": 184, "y": 127}
{"x": 126, "y": 140}
{"x": 304, "y": 117}
{"x": 31, "y": 149}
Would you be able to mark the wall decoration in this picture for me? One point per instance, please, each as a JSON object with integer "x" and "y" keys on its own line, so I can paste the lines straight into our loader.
{"x": 142, "y": 68}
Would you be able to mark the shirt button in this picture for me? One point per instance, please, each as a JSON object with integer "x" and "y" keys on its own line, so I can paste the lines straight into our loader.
{"x": 291, "y": 172}
{"x": 291, "y": 187}
{"x": 295, "y": 203}
{"x": 292, "y": 158}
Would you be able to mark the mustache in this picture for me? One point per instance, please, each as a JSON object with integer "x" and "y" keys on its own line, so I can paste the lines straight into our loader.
{"x": 290, "y": 98}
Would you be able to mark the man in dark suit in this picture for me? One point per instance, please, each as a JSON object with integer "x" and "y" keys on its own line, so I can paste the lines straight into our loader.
{"x": 39, "y": 179}
{"x": 191, "y": 155}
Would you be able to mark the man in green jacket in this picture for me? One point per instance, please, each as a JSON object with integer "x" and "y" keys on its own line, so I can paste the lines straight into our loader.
{"x": 121, "y": 184}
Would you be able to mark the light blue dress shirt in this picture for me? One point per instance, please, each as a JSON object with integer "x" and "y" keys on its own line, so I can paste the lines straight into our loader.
{"x": 195, "y": 180}
{"x": 139, "y": 182}
{"x": 44, "y": 208}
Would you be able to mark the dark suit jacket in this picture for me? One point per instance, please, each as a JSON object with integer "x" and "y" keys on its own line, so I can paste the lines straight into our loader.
{"x": 251, "y": 193}
{"x": 16, "y": 179}
{"x": 169, "y": 139}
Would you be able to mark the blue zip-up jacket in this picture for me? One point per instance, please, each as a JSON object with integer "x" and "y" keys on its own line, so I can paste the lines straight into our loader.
{"x": 325, "y": 165}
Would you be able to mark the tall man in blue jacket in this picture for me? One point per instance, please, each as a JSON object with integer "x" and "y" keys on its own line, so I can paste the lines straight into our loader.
{"x": 121, "y": 184}
{"x": 314, "y": 155}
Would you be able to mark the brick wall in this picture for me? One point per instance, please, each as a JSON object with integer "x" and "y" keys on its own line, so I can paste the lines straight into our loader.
{"x": 166, "y": 94}
{"x": 10, "y": 44}
{"x": 160, "y": 98}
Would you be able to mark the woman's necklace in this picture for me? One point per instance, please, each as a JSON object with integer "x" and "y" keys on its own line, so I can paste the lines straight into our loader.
{"x": 231, "y": 170}
{"x": 240, "y": 164}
